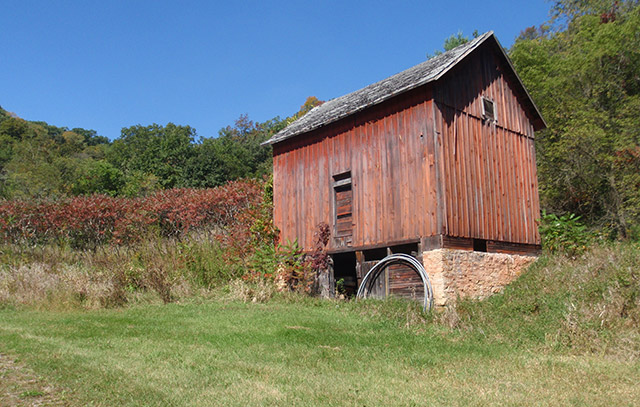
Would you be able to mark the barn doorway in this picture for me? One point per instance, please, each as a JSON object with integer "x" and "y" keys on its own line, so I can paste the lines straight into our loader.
{"x": 397, "y": 279}
{"x": 344, "y": 272}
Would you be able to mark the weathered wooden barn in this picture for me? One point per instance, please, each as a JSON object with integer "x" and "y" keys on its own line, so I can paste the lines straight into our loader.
{"x": 437, "y": 161}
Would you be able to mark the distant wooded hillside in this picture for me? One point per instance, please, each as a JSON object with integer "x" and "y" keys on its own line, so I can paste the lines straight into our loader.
{"x": 38, "y": 160}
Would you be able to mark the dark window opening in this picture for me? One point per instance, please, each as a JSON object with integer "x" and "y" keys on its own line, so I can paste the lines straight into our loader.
{"x": 479, "y": 245}
{"x": 489, "y": 110}
{"x": 342, "y": 176}
{"x": 343, "y": 205}
{"x": 380, "y": 253}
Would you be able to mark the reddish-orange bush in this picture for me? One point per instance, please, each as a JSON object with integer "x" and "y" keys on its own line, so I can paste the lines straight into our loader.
{"x": 87, "y": 221}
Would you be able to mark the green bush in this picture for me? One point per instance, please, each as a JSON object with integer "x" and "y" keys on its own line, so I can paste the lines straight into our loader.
{"x": 564, "y": 234}
{"x": 207, "y": 264}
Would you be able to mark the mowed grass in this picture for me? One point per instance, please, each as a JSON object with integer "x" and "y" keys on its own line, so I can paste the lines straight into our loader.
{"x": 298, "y": 353}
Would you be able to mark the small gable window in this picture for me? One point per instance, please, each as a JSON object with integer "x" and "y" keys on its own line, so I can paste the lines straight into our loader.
{"x": 489, "y": 110}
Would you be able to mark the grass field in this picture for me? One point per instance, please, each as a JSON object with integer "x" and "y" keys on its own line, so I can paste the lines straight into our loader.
{"x": 295, "y": 353}
{"x": 565, "y": 333}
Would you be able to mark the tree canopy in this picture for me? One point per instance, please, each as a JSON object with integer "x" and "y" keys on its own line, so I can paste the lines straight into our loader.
{"x": 38, "y": 160}
{"x": 585, "y": 77}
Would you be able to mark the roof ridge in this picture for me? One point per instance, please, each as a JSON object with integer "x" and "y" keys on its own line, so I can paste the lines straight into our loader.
{"x": 375, "y": 93}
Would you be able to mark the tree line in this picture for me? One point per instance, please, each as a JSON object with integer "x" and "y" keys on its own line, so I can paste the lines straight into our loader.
{"x": 39, "y": 161}
{"x": 582, "y": 69}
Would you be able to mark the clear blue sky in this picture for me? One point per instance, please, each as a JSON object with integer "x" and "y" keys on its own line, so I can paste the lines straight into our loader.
{"x": 105, "y": 65}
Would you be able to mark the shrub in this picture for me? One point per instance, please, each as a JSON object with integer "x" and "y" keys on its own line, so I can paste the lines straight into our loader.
{"x": 300, "y": 271}
{"x": 206, "y": 263}
{"x": 293, "y": 268}
{"x": 91, "y": 221}
{"x": 564, "y": 234}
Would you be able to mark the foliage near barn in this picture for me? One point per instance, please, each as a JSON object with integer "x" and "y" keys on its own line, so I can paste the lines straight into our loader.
{"x": 89, "y": 221}
{"x": 585, "y": 77}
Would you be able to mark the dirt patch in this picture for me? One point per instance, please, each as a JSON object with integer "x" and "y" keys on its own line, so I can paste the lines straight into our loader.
{"x": 20, "y": 386}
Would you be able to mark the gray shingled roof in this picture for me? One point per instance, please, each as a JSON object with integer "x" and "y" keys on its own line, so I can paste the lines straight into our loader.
{"x": 343, "y": 106}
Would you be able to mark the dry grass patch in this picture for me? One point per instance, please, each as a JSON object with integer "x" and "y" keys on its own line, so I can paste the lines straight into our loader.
{"x": 257, "y": 291}
{"x": 39, "y": 285}
{"x": 20, "y": 386}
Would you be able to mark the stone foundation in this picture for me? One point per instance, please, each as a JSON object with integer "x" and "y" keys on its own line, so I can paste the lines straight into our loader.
{"x": 470, "y": 274}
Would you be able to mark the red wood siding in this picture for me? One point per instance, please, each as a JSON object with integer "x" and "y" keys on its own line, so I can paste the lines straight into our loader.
{"x": 423, "y": 163}
{"x": 490, "y": 188}
{"x": 389, "y": 150}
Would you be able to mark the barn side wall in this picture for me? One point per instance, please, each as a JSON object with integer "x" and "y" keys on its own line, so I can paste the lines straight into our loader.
{"x": 490, "y": 188}
{"x": 389, "y": 150}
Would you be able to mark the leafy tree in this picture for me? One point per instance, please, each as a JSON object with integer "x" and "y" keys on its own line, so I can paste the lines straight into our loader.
{"x": 91, "y": 137}
{"x": 533, "y": 32}
{"x": 308, "y": 104}
{"x": 40, "y": 160}
{"x": 6, "y": 149}
{"x": 155, "y": 150}
{"x": 72, "y": 143}
{"x": 586, "y": 80}
{"x": 15, "y": 128}
{"x": 453, "y": 41}
{"x": 46, "y": 130}
{"x": 31, "y": 172}
{"x": 237, "y": 152}
{"x": 564, "y": 12}
{"x": 137, "y": 183}
{"x": 6, "y": 154}
{"x": 98, "y": 177}
{"x": 205, "y": 168}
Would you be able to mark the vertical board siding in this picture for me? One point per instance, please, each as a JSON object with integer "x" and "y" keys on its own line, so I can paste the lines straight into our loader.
{"x": 490, "y": 182}
{"x": 386, "y": 149}
{"x": 422, "y": 163}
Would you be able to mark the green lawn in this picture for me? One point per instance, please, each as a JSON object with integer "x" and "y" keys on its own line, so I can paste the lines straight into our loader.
{"x": 288, "y": 353}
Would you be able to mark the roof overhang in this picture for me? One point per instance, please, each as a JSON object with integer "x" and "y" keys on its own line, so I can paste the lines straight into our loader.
{"x": 414, "y": 77}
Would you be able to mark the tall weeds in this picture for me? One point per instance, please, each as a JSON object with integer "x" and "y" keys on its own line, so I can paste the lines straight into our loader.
{"x": 168, "y": 269}
{"x": 102, "y": 251}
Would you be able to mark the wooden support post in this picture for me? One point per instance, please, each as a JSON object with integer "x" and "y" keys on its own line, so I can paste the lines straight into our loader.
{"x": 430, "y": 243}
{"x": 359, "y": 261}
{"x": 327, "y": 281}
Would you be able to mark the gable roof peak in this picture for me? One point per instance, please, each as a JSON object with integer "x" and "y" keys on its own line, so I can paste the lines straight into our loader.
{"x": 418, "y": 75}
